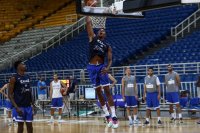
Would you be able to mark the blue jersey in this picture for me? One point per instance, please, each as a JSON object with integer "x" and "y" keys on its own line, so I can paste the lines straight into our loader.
{"x": 98, "y": 47}
{"x": 22, "y": 90}
{"x": 41, "y": 84}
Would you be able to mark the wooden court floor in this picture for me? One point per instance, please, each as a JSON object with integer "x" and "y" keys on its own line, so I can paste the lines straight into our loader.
{"x": 96, "y": 125}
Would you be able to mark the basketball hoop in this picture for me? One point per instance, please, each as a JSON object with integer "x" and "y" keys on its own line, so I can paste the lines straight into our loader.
{"x": 98, "y": 22}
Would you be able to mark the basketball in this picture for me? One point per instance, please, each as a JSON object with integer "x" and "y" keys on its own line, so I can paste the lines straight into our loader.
{"x": 62, "y": 91}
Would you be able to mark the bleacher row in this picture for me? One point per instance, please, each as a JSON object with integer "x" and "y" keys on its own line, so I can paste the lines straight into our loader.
{"x": 27, "y": 39}
{"x": 15, "y": 17}
{"x": 183, "y": 51}
{"x": 127, "y": 37}
{"x": 187, "y": 104}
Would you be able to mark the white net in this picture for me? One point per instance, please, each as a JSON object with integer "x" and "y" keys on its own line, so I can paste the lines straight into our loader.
{"x": 98, "y": 22}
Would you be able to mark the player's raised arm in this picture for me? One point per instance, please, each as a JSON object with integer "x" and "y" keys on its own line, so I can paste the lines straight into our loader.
{"x": 90, "y": 31}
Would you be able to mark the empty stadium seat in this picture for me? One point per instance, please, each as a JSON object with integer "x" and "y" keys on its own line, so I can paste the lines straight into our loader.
{"x": 127, "y": 37}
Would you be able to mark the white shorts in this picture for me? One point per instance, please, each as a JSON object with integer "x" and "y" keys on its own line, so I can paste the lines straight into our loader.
{"x": 42, "y": 96}
{"x": 72, "y": 96}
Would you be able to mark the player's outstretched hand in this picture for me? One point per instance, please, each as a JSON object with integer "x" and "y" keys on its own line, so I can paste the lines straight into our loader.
{"x": 104, "y": 70}
{"x": 19, "y": 111}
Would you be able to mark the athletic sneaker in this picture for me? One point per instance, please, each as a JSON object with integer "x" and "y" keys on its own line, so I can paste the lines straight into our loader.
{"x": 51, "y": 120}
{"x": 130, "y": 122}
{"x": 198, "y": 122}
{"x": 159, "y": 123}
{"x": 172, "y": 120}
{"x": 115, "y": 122}
{"x": 181, "y": 120}
{"x": 15, "y": 124}
{"x": 59, "y": 120}
{"x": 146, "y": 123}
{"x": 9, "y": 123}
{"x": 136, "y": 122}
{"x": 109, "y": 121}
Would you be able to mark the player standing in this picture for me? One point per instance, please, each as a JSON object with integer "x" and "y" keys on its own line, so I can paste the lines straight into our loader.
{"x": 130, "y": 95}
{"x": 20, "y": 95}
{"x": 172, "y": 81}
{"x": 152, "y": 95}
{"x": 56, "y": 96}
{"x": 9, "y": 106}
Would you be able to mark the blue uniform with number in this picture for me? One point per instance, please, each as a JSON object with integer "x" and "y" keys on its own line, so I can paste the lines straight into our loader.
{"x": 23, "y": 98}
{"x": 151, "y": 83}
{"x": 172, "y": 95}
{"x": 100, "y": 48}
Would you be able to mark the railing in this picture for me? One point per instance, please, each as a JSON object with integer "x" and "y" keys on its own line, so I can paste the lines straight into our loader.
{"x": 38, "y": 48}
{"x": 65, "y": 33}
{"x": 185, "y": 25}
{"x": 117, "y": 72}
{"x": 190, "y": 86}
{"x": 71, "y": 18}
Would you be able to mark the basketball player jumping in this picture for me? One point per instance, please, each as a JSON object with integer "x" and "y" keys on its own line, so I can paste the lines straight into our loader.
{"x": 9, "y": 106}
{"x": 130, "y": 95}
{"x": 172, "y": 81}
{"x": 21, "y": 98}
{"x": 98, "y": 71}
{"x": 152, "y": 95}
{"x": 56, "y": 96}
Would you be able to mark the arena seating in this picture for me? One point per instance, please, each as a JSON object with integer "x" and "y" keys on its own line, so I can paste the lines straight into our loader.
{"x": 183, "y": 51}
{"x": 127, "y": 37}
{"x": 65, "y": 16}
{"x": 73, "y": 54}
{"x": 23, "y": 15}
{"x": 27, "y": 39}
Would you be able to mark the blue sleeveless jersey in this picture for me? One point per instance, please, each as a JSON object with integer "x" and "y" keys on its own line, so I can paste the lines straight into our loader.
{"x": 98, "y": 47}
{"x": 22, "y": 91}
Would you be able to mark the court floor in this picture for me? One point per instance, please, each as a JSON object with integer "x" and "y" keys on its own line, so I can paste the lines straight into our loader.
{"x": 97, "y": 125}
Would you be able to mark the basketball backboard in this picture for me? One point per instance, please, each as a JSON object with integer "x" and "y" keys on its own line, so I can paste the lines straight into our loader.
{"x": 145, "y": 5}
{"x": 109, "y": 8}
{"x": 125, "y": 8}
